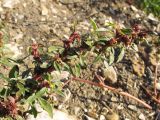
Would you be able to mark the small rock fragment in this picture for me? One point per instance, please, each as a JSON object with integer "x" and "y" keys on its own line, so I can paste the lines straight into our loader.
{"x": 138, "y": 66}
{"x": 132, "y": 107}
{"x": 69, "y": 1}
{"x": 85, "y": 117}
{"x": 114, "y": 99}
{"x": 141, "y": 117}
{"x": 158, "y": 86}
{"x": 109, "y": 74}
{"x": 102, "y": 117}
{"x": 44, "y": 10}
{"x": 151, "y": 17}
{"x": 9, "y": 3}
{"x": 134, "y": 8}
{"x": 112, "y": 116}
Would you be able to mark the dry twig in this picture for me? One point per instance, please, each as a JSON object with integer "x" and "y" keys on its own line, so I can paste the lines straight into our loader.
{"x": 102, "y": 85}
{"x": 149, "y": 93}
{"x": 155, "y": 80}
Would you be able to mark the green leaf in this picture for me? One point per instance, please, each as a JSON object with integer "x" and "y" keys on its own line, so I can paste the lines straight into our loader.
{"x": 46, "y": 106}
{"x": 111, "y": 55}
{"x": 78, "y": 70}
{"x": 57, "y": 66}
{"x": 97, "y": 58}
{"x": 121, "y": 54}
{"x": 94, "y": 25}
{"x": 53, "y": 48}
{"x": 109, "y": 24}
{"x": 89, "y": 43}
{"x": 21, "y": 89}
{"x": 33, "y": 111}
{"x": 14, "y": 72}
{"x": 134, "y": 47}
{"x": 59, "y": 92}
{"x": 126, "y": 31}
{"x": 31, "y": 99}
{"x": 41, "y": 92}
{"x": 81, "y": 60}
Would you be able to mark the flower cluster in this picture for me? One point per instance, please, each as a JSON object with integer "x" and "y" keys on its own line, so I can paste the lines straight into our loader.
{"x": 127, "y": 39}
{"x": 35, "y": 52}
{"x": 74, "y": 36}
{"x": 9, "y": 107}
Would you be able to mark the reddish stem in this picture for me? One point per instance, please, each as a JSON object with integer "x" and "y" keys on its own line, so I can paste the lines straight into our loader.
{"x": 155, "y": 80}
{"x": 114, "y": 90}
{"x": 149, "y": 93}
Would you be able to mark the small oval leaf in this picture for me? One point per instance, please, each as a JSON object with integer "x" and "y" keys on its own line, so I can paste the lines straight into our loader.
{"x": 121, "y": 55}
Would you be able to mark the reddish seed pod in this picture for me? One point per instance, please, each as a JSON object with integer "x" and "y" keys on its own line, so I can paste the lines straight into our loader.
{"x": 112, "y": 41}
{"x": 142, "y": 34}
{"x": 136, "y": 28}
{"x": 118, "y": 33}
{"x": 72, "y": 38}
{"x": 126, "y": 40}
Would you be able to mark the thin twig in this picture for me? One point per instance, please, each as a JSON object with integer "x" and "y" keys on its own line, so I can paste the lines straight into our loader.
{"x": 113, "y": 89}
{"x": 155, "y": 80}
{"x": 149, "y": 93}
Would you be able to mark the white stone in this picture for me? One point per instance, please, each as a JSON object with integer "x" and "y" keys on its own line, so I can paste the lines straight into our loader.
{"x": 151, "y": 17}
{"x": 132, "y": 107}
{"x": 1, "y": 9}
{"x": 10, "y": 3}
{"x": 134, "y": 8}
{"x": 158, "y": 86}
{"x": 102, "y": 117}
{"x": 44, "y": 10}
{"x": 141, "y": 117}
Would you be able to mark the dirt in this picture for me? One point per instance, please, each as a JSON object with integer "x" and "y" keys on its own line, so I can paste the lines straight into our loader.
{"x": 50, "y": 21}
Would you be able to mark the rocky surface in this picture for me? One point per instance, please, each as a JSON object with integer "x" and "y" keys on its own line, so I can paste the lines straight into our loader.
{"x": 48, "y": 22}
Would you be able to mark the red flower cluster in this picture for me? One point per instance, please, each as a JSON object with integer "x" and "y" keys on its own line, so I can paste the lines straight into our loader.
{"x": 44, "y": 84}
{"x": 35, "y": 52}
{"x": 9, "y": 107}
{"x": 127, "y": 39}
{"x": 74, "y": 36}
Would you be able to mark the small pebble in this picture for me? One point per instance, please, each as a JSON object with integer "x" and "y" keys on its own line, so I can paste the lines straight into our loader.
{"x": 158, "y": 86}
{"x": 141, "y": 117}
{"x": 110, "y": 74}
{"x": 102, "y": 117}
{"x": 114, "y": 99}
{"x": 132, "y": 107}
{"x": 112, "y": 116}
